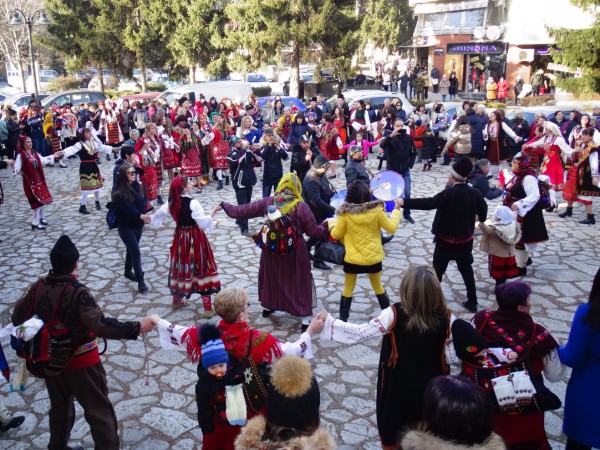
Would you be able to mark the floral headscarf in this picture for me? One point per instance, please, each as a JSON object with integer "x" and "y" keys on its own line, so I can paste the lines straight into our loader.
{"x": 288, "y": 193}
{"x": 524, "y": 165}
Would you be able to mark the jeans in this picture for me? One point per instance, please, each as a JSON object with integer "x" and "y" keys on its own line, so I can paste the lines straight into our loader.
{"x": 39, "y": 145}
{"x": 463, "y": 255}
{"x": 268, "y": 184}
{"x": 133, "y": 258}
{"x": 243, "y": 197}
{"x": 406, "y": 176}
{"x": 443, "y": 97}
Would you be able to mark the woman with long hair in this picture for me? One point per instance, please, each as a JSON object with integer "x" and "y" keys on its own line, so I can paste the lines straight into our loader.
{"x": 416, "y": 345}
{"x": 582, "y": 352}
{"x": 497, "y": 145}
{"x": 582, "y": 177}
{"x": 192, "y": 267}
{"x": 30, "y": 165}
{"x": 146, "y": 159}
{"x": 129, "y": 199}
{"x": 358, "y": 223}
{"x": 277, "y": 110}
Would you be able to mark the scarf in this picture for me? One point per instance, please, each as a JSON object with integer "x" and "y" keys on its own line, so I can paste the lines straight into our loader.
{"x": 517, "y": 330}
{"x": 288, "y": 193}
{"x": 236, "y": 338}
{"x": 48, "y": 122}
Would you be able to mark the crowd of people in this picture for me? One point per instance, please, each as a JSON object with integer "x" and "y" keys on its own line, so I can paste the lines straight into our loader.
{"x": 186, "y": 147}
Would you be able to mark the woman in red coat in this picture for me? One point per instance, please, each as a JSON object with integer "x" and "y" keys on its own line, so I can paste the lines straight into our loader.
{"x": 502, "y": 89}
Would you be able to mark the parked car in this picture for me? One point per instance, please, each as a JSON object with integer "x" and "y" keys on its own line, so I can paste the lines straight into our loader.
{"x": 2, "y": 98}
{"x": 48, "y": 73}
{"x": 287, "y": 101}
{"x": 235, "y": 90}
{"x": 548, "y": 111}
{"x": 144, "y": 97}
{"x": 110, "y": 81}
{"x": 76, "y": 97}
{"x": 452, "y": 108}
{"x": 18, "y": 100}
{"x": 257, "y": 80}
{"x": 43, "y": 82}
{"x": 128, "y": 84}
{"x": 376, "y": 97}
{"x": 137, "y": 73}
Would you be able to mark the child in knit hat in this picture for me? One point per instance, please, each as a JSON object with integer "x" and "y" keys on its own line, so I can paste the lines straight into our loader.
{"x": 219, "y": 395}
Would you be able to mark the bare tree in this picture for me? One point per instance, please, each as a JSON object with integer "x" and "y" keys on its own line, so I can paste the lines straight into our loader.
{"x": 14, "y": 42}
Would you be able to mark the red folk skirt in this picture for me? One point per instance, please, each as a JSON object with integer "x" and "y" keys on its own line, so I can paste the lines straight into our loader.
{"x": 170, "y": 159}
{"x": 220, "y": 151}
{"x": 553, "y": 168}
{"x": 150, "y": 182}
{"x": 112, "y": 133}
{"x": 190, "y": 164}
{"x": 36, "y": 191}
{"x": 192, "y": 265}
{"x": 501, "y": 267}
{"x": 570, "y": 191}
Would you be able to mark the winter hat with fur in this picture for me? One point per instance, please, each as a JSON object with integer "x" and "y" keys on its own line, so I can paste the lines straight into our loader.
{"x": 294, "y": 396}
{"x": 461, "y": 169}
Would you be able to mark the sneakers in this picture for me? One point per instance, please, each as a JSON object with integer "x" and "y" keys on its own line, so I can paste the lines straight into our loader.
{"x": 15, "y": 422}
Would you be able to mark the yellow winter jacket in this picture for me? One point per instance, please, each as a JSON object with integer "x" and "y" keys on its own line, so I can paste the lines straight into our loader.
{"x": 359, "y": 226}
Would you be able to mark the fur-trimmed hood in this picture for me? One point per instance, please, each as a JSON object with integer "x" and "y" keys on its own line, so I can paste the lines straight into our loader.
{"x": 252, "y": 433}
{"x": 358, "y": 208}
{"x": 510, "y": 233}
{"x": 421, "y": 440}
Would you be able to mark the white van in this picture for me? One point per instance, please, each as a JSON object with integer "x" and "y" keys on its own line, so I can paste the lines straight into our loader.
{"x": 235, "y": 90}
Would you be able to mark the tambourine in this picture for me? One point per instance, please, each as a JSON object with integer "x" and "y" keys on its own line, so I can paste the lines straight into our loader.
{"x": 387, "y": 185}
{"x": 338, "y": 199}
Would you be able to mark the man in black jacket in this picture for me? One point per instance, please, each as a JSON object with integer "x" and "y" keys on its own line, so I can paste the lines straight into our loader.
{"x": 303, "y": 154}
{"x": 316, "y": 193}
{"x": 454, "y": 225}
{"x": 241, "y": 166}
{"x": 355, "y": 169}
{"x": 401, "y": 155}
{"x": 478, "y": 178}
{"x": 272, "y": 155}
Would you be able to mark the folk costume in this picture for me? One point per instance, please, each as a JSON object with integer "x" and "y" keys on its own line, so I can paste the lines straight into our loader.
{"x": 284, "y": 126}
{"x": 285, "y": 281}
{"x": 146, "y": 159}
{"x": 534, "y": 153}
{"x": 552, "y": 164}
{"x": 330, "y": 142}
{"x": 408, "y": 360}
{"x": 192, "y": 267}
{"x": 89, "y": 172}
{"x": 220, "y": 148}
{"x": 62, "y": 298}
{"x": 522, "y": 190}
{"x": 190, "y": 155}
{"x": 69, "y": 126}
{"x": 580, "y": 184}
{"x": 110, "y": 119}
{"x": 498, "y": 240}
{"x": 517, "y": 330}
{"x": 497, "y": 144}
{"x": 169, "y": 149}
{"x": 31, "y": 166}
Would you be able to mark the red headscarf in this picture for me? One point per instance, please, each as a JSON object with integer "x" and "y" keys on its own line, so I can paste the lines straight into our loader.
{"x": 524, "y": 166}
{"x": 22, "y": 140}
{"x": 177, "y": 186}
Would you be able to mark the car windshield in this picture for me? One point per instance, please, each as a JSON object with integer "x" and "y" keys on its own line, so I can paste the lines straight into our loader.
{"x": 254, "y": 78}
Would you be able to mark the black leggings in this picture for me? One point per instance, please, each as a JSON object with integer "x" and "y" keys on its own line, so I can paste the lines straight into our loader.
{"x": 133, "y": 257}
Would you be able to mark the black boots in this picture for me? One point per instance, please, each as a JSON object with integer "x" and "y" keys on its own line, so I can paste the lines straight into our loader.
{"x": 98, "y": 207}
{"x": 160, "y": 201}
{"x": 567, "y": 213}
{"x": 589, "y": 220}
{"x": 226, "y": 180}
{"x": 345, "y": 303}
{"x": 141, "y": 285}
{"x": 384, "y": 300}
{"x": 220, "y": 186}
{"x": 83, "y": 210}
{"x": 386, "y": 239}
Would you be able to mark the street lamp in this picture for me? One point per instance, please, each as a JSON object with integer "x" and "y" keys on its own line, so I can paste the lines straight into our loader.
{"x": 17, "y": 18}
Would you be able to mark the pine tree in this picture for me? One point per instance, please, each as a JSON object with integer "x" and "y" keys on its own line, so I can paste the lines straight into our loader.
{"x": 580, "y": 49}
{"x": 259, "y": 29}
{"x": 387, "y": 24}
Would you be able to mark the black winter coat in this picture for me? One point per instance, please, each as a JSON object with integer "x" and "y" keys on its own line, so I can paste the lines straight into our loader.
{"x": 316, "y": 193}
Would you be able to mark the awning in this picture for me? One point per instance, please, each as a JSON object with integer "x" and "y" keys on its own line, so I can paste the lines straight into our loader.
{"x": 431, "y": 8}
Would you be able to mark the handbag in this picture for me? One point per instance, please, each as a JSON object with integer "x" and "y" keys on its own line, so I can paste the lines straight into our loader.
{"x": 112, "y": 220}
{"x": 330, "y": 251}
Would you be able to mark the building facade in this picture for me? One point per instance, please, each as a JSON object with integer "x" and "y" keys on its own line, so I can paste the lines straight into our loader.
{"x": 479, "y": 39}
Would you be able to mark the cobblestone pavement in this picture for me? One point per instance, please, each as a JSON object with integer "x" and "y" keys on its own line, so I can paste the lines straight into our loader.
{"x": 161, "y": 413}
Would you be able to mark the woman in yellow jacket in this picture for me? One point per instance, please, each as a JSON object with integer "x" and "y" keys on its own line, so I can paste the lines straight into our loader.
{"x": 358, "y": 225}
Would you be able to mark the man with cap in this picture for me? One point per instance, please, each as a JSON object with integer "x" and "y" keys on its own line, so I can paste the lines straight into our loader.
{"x": 313, "y": 113}
{"x": 355, "y": 169}
{"x": 317, "y": 193}
{"x": 401, "y": 154}
{"x": 323, "y": 105}
{"x": 292, "y": 417}
{"x": 241, "y": 166}
{"x": 454, "y": 224}
{"x": 272, "y": 153}
{"x": 303, "y": 155}
{"x": 61, "y": 299}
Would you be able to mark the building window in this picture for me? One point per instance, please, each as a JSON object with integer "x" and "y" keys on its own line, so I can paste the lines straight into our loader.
{"x": 451, "y": 22}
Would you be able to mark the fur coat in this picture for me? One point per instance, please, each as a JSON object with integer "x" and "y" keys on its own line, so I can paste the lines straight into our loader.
{"x": 252, "y": 433}
{"x": 421, "y": 440}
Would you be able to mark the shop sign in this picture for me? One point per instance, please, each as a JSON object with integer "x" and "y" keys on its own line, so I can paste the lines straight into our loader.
{"x": 438, "y": 51}
{"x": 420, "y": 40}
{"x": 493, "y": 48}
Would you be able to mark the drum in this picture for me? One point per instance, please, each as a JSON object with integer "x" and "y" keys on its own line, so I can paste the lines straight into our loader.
{"x": 338, "y": 199}
{"x": 387, "y": 185}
